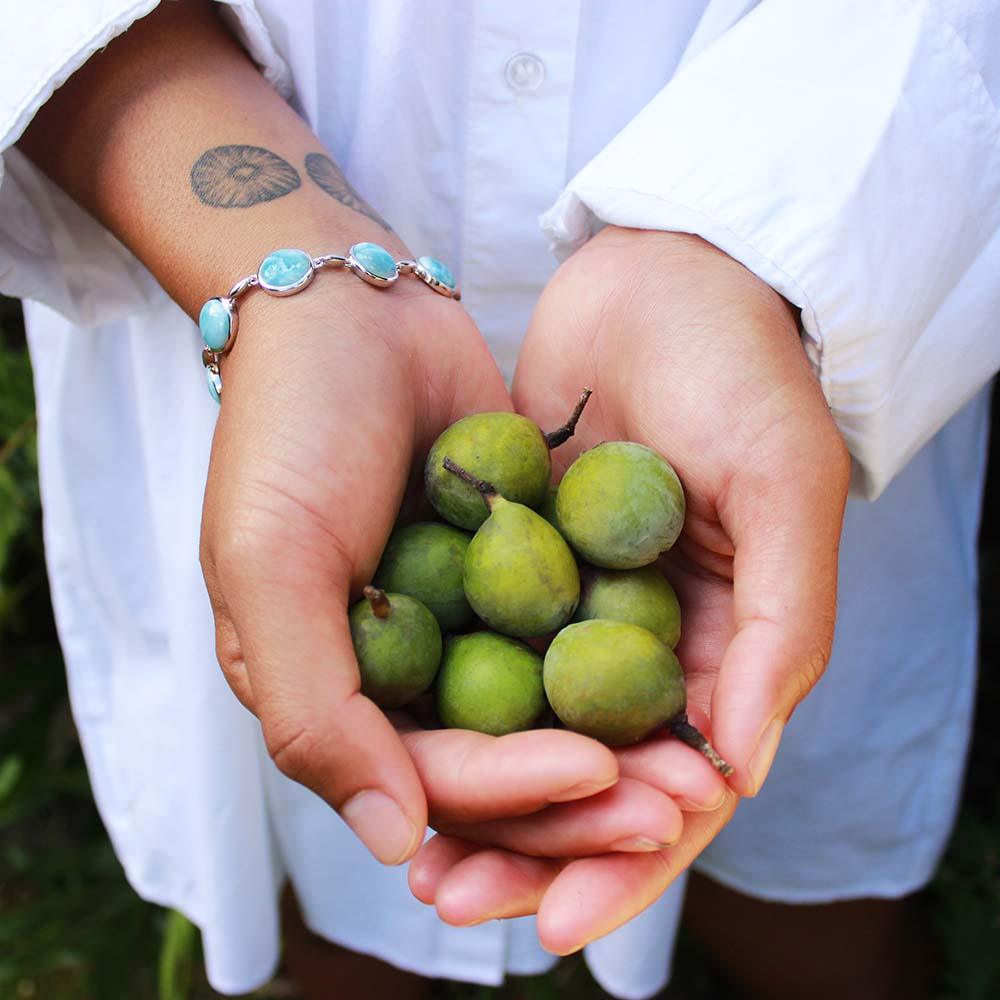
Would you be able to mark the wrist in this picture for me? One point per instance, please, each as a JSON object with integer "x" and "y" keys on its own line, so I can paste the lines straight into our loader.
{"x": 285, "y": 273}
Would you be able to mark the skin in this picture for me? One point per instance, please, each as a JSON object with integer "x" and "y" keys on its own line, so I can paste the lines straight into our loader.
{"x": 693, "y": 356}
{"x": 292, "y": 524}
{"x": 297, "y": 511}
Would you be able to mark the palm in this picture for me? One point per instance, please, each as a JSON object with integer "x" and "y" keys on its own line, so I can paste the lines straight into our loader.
{"x": 691, "y": 355}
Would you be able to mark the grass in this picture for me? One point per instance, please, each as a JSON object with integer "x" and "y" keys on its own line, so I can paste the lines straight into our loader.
{"x": 71, "y": 928}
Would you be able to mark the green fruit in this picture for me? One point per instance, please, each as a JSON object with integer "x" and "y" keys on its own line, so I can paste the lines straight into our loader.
{"x": 548, "y": 508}
{"x": 613, "y": 681}
{"x": 641, "y": 596}
{"x": 398, "y": 645}
{"x": 425, "y": 561}
{"x": 506, "y": 449}
{"x": 489, "y": 683}
{"x": 620, "y": 505}
{"x": 520, "y": 575}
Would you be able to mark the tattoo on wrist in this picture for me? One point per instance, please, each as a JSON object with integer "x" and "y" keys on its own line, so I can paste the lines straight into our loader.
{"x": 331, "y": 179}
{"x": 242, "y": 176}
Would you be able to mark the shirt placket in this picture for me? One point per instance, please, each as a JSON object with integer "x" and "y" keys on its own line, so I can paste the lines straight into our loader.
{"x": 520, "y": 97}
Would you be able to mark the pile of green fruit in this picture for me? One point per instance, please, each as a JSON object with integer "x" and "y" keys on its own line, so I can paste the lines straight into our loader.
{"x": 573, "y": 561}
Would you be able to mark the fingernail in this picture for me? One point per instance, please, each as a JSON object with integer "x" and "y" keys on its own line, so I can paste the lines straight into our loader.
{"x": 636, "y": 845}
{"x": 709, "y": 804}
{"x": 760, "y": 762}
{"x": 583, "y": 790}
{"x": 381, "y": 826}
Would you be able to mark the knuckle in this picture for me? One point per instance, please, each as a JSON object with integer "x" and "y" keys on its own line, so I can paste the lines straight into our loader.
{"x": 293, "y": 746}
{"x": 812, "y": 669}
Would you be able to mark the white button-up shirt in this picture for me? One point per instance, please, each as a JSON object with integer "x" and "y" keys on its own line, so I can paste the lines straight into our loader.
{"x": 846, "y": 151}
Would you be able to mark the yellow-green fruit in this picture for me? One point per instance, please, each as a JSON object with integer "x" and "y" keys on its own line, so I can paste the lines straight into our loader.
{"x": 489, "y": 683}
{"x": 641, "y": 596}
{"x": 425, "y": 561}
{"x": 398, "y": 645}
{"x": 613, "y": 681}
{"x": 548, "y": 507}
{"x": 620, "y": 505}
{"x": 520, "y": 575}
{"x": 505, "y": 449}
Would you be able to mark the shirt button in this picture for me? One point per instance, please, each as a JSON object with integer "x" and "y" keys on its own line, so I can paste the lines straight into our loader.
{"x": 524, "y": 72}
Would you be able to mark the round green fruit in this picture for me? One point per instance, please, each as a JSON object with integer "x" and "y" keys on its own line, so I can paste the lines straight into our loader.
{"x": 489, "y": 683}
{"x": 398, "y": 645}
{"x": 620, "y": 505}
{"x": 641, "y": 596}
{"x": 613, "y": 681}
{"x": 425, "y": 561}
{"x": 548, "y": 507}
{"x": 505, "y": 449}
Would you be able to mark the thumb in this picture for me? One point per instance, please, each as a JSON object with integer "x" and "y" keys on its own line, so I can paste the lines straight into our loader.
{"x": 786, "y": 534}
{"x": 294, "y": 639}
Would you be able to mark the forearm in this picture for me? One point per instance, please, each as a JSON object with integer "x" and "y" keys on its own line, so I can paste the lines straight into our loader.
{"x": 173, "y": 140}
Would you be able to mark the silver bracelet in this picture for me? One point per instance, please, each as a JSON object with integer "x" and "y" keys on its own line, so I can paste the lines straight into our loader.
{"x": 285, "y": 272}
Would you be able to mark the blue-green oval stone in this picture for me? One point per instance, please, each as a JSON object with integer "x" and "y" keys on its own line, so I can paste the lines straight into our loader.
{"x": 437, "y": 270}
{"x": 214, "y": 385}
{"x": 374, "y": 259}
{"x": 213, "y": 320}
{"x": 285, "y": 268}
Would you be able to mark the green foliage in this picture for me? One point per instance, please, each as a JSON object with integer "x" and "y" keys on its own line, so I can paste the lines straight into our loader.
{"x": 178, "y": 953}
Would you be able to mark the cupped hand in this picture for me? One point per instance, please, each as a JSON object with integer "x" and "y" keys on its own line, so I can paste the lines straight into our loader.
{"x": 692, "y": 355}
{"x": 330, "y": 398}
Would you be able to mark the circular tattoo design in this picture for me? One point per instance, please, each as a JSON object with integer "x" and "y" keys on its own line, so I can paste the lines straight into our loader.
{"x": 241, "y": 176}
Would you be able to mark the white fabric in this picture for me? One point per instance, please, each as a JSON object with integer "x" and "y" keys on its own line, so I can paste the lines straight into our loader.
{"x": 844, "y": 151}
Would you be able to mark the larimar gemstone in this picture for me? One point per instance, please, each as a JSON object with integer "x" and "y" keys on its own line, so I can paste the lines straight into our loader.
{"x": 284, "y": 269}
{"x": 214, "y": 384}
{"x": 215, "y": 324}
{"x": 374, "y": 259}
{"x": 438, "y": 271}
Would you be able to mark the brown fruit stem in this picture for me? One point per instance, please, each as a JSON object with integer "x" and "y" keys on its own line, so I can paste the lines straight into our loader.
{"x": 693, "y": 737}
{"x": 487, "y": 490}
{"x": 379, "y": 602}
{"x": 562, "y": 434}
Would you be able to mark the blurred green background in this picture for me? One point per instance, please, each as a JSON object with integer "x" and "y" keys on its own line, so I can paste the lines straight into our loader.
{"x": 71, "y": 928}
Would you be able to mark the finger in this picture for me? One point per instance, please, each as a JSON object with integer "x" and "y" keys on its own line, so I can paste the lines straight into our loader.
{"x": 289, "y": 609}
{"x": 617, "y": 887}
{"x": 433, "y": 861}
{"x": 230, "y": 657}
{"x": 470, "y": 776}
{"x": 493, "y": 885}
{"x": 630, "y": 816}
{"x": 786, "y": 533}
{"x": 676, "y": 770}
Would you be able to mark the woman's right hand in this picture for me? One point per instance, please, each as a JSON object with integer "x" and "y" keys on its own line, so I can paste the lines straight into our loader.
{"x": 330, "y": 399}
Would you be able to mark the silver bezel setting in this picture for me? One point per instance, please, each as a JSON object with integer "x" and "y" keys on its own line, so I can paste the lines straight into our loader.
{"x": 282, "y": 290}
{"x": 439, "y": 286}
{"x": 212, "y": 373}
{"x": 353, "y": 264}
{"x": 234, "y": 322}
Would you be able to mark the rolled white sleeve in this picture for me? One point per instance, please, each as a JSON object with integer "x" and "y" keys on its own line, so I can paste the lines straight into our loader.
{"x": 50, "y": 249}
{"x": 847, "y": 152}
